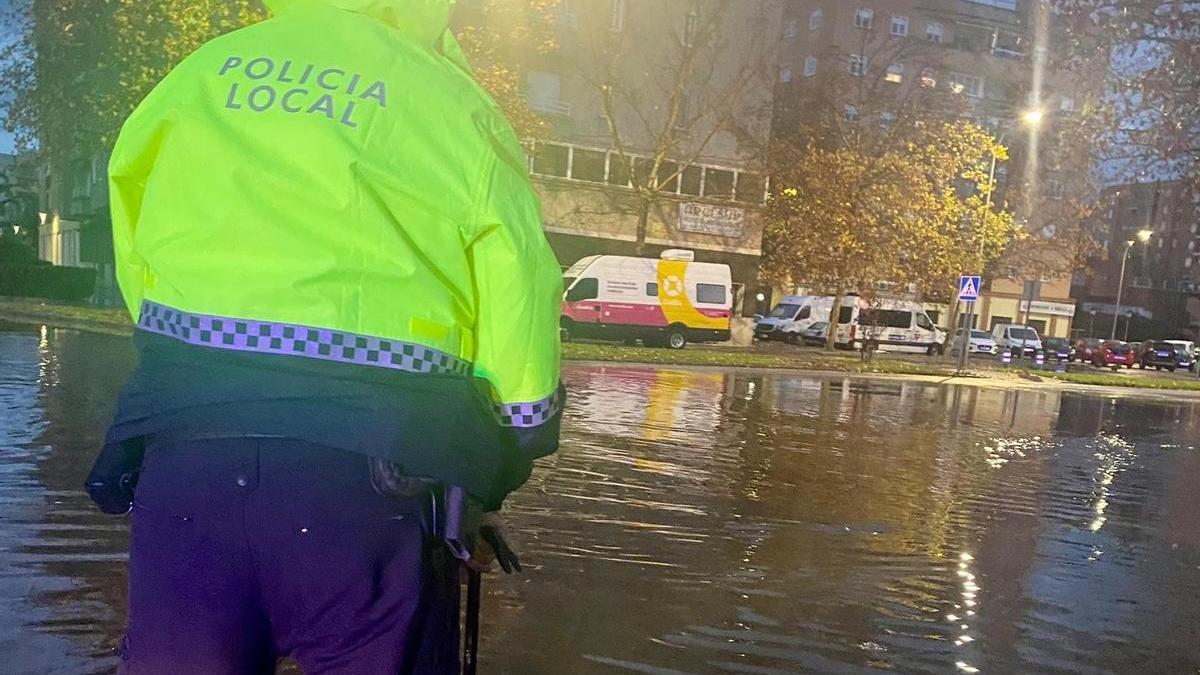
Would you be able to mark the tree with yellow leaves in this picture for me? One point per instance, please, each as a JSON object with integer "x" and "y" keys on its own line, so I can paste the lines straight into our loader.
{"x": 910, "y": 213}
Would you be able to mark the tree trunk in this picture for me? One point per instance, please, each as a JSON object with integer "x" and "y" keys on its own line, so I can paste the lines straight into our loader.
{"x": 952, "y": 326}
{"x": 643, "y": 222}
{"x": 834, "y": 311}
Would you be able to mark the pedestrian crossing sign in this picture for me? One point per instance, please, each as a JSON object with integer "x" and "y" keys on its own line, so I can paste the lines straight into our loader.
{"x": 968, "y": 288}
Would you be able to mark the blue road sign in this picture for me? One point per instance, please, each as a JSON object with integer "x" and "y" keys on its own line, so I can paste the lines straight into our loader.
{"x": 968, "y": 288}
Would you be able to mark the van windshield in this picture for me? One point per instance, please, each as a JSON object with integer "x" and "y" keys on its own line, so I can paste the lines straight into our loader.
{"x": 1019, "y": 333}
{"x": 784, "y": 311}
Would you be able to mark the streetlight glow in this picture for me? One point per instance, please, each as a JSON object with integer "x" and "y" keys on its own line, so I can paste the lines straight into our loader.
{"x": 1033, "y": 116}
{"x": 1144, "y": 235}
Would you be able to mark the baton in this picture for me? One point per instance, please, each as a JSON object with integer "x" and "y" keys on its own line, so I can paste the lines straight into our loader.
{"x": 471, "y": 631}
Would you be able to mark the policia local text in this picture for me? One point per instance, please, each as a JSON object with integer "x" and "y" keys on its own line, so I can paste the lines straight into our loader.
{"x": 264, "y": 84}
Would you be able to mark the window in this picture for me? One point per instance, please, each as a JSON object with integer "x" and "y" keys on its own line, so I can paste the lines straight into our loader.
{"x": 804, "y": 313}
{"x": 545, "y": 93}
{"x": 895, "y": 73}
{"x": 584, "y": 289}
{"x": 900, "y": 26}
{"x": 1002, "y": 4}
{"x": 652, "y": 289}
{"x": 1067, "y": 104}
{"x": 1000, "y": 321}
{"x": 845, "y": 314}
{"x": 690, "y": 24}
{"x": 551, "y": 160}
{"x": 852, "y": 113}
{"x": 750, "y": 188}
{"x": 924, "y": 323}
{"x": 689, "y": 180}
{"x": 971, "y": 85}
{"x": 810, "y": 66}
{"x": 618, "y": 16}
{"x": 792, "y": 29}
{"x": 815, "y": 19}
{"x": 887, "y": 318}
{"x": 887, "y": 118}
{"x": 785, "y": 73}
{"x": 858, "y": 64}
{"x": 718, "y": 183}
{"x": 710, "y": 294}
{"x": 588, "y": 165}
{"x": 864, "y": 18}
{"x": 618, "y": 170}
{"x": 1056, "y": 190}
{"x": 934, "y": 31}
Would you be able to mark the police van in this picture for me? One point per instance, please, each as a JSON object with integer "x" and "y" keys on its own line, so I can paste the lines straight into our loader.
{"x": 665, "y": 302}
{"x": 889, "y": 325}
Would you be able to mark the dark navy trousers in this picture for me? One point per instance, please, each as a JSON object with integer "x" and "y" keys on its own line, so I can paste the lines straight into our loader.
{"x": 248, "y": 550}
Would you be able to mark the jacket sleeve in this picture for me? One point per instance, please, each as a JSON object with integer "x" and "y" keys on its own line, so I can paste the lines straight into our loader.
{"x": 518, "y": 289}
{"x": 129, "y": 169}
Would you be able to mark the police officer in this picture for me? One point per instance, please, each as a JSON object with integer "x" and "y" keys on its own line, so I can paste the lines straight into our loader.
{"x": 344, "y": 303}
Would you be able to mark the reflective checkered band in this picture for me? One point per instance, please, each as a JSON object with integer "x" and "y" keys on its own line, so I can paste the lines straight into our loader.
{"x": 245, "y": 335}
{"x": 530, "y": 414}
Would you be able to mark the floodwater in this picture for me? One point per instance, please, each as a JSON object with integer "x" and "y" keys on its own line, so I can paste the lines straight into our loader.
{"x": 715, "y": 522}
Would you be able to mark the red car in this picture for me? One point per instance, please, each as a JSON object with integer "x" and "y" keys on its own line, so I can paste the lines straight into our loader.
{"x": 1085, "y": 348}
{"x": 1114, "y": 354}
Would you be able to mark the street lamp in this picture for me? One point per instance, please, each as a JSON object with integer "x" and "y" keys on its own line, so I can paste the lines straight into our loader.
{"x": 1031, "y": 117}
{"x": 1143, "y": 236}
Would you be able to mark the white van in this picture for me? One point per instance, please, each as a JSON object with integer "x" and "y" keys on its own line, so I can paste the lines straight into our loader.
{"x": 792, "y": 316}
{"x": 1013, "y": 337}
{"x": 664, "y": 302}
{"x": 890, "y": 325}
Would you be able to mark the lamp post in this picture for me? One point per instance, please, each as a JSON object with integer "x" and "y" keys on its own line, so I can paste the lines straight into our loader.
{"x": 1128, "y": 320}
{"x": 1143, "y": 236}
{"x": 1031, "y": 118}
{"x": 1091, "y": 323}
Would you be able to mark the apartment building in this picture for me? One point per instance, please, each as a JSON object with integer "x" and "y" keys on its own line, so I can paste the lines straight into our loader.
{"x": 993, "y": 60}
{"x": 1162, "y": 275}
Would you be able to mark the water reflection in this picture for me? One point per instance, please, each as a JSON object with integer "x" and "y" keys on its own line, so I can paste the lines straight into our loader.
{"x": 702, "y": 521}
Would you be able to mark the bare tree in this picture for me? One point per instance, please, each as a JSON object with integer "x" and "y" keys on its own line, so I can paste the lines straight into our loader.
{"x": 669, "y": 103}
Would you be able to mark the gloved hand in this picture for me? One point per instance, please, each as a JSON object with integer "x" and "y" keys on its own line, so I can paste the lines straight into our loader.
{"x": 113, "y": 478}
{"x": 491, "y": 547}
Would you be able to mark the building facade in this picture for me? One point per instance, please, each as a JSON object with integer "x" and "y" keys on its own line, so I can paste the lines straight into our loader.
{"x": 996, "y": 56}
{"x": 1161, "y": 293}
{"x": 682, "y": 84}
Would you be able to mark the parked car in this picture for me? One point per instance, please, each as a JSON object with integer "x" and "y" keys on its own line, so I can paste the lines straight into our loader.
{"x": 981, "y": 342}
{"x": 1016, "y": 338}
{"x": 1085, "y": 348}
{"x": 1161, "y": 354}
{"x": 1190, "y": 348}
{"x": 816, "y": 333}
{"x": 1114, "y": 354}
{"x": 1058, "y": 349}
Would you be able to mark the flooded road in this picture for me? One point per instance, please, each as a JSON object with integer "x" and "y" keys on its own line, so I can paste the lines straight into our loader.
{"x": 711, "y": 522}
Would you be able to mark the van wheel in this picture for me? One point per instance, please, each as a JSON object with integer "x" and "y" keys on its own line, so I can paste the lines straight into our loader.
{"x": 934, "y": 350}
{"x": 564, "y": 331}
{"x": 676, "y": 339}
